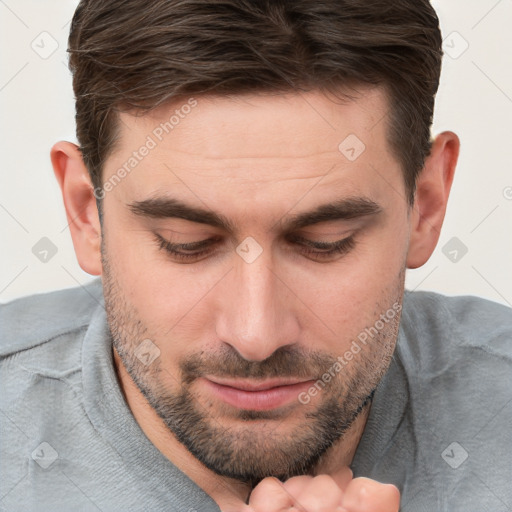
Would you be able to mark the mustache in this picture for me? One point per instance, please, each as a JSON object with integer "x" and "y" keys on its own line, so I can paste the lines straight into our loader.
{"x": 285, "y": 362}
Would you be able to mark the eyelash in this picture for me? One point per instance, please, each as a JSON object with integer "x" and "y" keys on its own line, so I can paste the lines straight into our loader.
{"x": 308, "y": 247}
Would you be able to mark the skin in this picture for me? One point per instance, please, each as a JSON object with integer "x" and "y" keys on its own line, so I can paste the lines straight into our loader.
{"x": 258, "y": 161}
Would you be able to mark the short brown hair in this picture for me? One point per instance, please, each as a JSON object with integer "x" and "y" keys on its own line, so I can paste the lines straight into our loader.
{"x": 125, "y": 55}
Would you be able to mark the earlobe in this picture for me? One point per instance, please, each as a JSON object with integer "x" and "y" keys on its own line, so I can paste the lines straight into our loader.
{"x": 432, "y": 191}
{"x": 80, "y": 204}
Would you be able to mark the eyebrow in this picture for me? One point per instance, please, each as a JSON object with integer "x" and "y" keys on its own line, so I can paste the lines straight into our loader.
{"x": 167, "y": 207}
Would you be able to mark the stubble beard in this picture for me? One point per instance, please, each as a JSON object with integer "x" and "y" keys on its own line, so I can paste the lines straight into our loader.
{"x": 241, "y": 451}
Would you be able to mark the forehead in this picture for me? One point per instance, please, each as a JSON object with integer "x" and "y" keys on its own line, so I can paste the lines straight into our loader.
{"x": 260, "y": 144}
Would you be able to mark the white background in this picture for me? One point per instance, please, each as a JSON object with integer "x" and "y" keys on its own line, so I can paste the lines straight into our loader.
{"x": 475, "y": 101}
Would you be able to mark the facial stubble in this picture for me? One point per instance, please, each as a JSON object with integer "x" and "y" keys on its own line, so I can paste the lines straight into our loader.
{"x": 255, "y": 444}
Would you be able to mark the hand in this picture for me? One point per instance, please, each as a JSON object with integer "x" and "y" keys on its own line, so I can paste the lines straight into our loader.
{"x": 324, "y": 493}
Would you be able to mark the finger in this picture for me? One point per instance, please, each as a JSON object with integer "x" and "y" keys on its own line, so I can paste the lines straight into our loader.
{"x": 236, "y": 505}
{"x": 342, "y": 477}
{"x": 270, "y": 496}
{"x": 321, "y": 494}
{"x": 295, "y": 485}
{"x": 240, "y": 507}
{"x": 365, "y": 495}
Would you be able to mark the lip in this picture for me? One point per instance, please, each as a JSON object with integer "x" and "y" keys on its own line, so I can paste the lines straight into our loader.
{"x": 256, "y": 395}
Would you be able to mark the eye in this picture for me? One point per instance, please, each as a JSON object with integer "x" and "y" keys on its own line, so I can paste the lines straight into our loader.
{"x": 187, "y": 253}
{"x": 196, "y": 251}
{"x": 324, "y": 251}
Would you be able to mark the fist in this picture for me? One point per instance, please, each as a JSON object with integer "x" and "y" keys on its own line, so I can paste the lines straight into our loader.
{"x": 324, "y": 493}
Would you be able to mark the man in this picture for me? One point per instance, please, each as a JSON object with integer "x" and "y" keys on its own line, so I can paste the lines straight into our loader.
{"x": 252, "y": 181}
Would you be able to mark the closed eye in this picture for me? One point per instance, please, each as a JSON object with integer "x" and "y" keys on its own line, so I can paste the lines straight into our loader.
{"x": 196, "y": 251}
{"x": 324, "y": 250}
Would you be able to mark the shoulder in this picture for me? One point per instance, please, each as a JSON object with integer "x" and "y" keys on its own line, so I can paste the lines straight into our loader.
{"x": 464, "y": 308}
{"x": 32, "y": 321}
{"x": 464, "y": 340}
{"x": 456, "y": 353}
{"x": 443, "y": 322}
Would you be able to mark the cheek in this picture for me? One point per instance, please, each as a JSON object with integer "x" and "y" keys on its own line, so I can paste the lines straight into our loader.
{"x": 350, "y": 295}
{"x": 169, "y": 299}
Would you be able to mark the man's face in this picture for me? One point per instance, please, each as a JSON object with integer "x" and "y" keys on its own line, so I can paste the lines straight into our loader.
{"x": 275, "y": 289}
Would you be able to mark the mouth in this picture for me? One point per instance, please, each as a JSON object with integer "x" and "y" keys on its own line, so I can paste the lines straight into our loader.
{"x": 255, "y": 395}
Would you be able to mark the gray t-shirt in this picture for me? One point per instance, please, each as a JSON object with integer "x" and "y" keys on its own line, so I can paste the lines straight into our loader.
{"x": 440, "y": 425}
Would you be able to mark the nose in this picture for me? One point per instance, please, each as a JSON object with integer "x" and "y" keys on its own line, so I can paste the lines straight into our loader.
{"x": 256, "y": 314}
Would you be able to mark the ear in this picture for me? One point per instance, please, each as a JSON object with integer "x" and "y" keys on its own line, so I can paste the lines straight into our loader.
{"x": 432, "y": 190}
{"x": 80, "y": 204}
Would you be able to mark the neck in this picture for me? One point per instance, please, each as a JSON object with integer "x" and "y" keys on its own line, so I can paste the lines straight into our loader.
{"x": 226, "y": 492}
